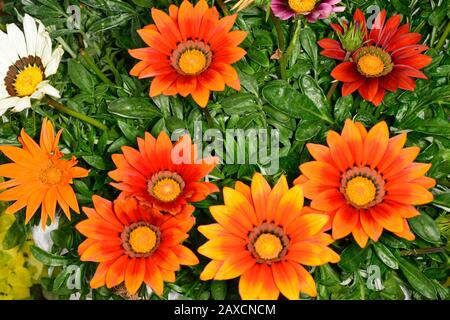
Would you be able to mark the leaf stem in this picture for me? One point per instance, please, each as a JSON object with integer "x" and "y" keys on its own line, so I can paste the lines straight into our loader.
{"x": 415, "y": 252}
{"x": 87, "y": 58}
{"x": 444, "y": 37}
{"x": 223, "y": 7}
{"x": 287, "y": 54}
{"x": 62, "y": 108}
{"x": 209, "y": 118}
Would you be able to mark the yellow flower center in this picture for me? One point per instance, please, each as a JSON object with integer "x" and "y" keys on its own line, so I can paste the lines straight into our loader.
{"x": 166, "y": 189}
{"x": 50, "y": 175}
{"x": 268, "y": 246}
{"x": 361, "y": 191}
{"x": 302, "y": 6}
{"x": 192, "y": 61}
{"x": 27, "y": 80}
{"x": 142, "y": 239}
{"x": 371, "y": 65}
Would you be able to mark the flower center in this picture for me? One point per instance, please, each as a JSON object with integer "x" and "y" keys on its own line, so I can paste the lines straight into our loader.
{"x": 360, "y": 191}
{"x": 140, "y": 239}
{"x": 191, "y": 57}
{"x": 362, "y": 187}
{"x": 268, "y": 246}
{"x": 302, "y": 6}
{"x": 371, "y": 65}
{"x": 192, "y": 61}
{"x": 165, "y": 186}
{"x": 268, "y": 243}
{"x": 373, "y": 62}
{"x": 27, "y": 80}
{"x": 50, "y": 175}
{"x": 23, "y": 77}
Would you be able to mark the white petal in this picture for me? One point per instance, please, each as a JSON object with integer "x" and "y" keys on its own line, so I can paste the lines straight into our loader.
{"x": 3, "y": 92}
{"x": 41, "y": 238}
{"x": 52, "y": 66}
{"x": 41, "y": 39}
{"x": 22, "y": 104}
{"x": 17, "y": 38}
{"x": 8, "y": 51}
{"x": 7, "y": 103}
{"x": 45, "y": 88}
{"x": 30, "y": 30}
{"x": 46, "y": 53}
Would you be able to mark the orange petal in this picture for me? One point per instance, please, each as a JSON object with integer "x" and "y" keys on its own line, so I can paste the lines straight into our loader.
{"x": 306, "y": 281}
{"x": 322, "y": 171}
{"x": 328, "y": 200}
{"x": 360, "y": 235}
{"x": 251, "y": 282}
{"x": 238, "y": 203}
{"x": 235, "y": 266}
{"x": 134, "y": 275}
{"x": 280, "y": 188}
{"x": 387, "y": 217}
{"x": 344, "y": 221}
{"x": 116, "y": 273}
{"x": 352, "y": 136}
{"x": 260, "y": 193}
{"x": 375, "y": 144}
{"x": 185, "y": 256}
{"x": 408, "y": 193}
{"x": 290, "y": 206}
{"x": 153, "y": 277}
{"x": 201, "y": 95}
{"x": 286, "y": 279}
{"x": 210, "y": 270}
{"x": 99, "y": 278}
{"x": 370, "y": 225}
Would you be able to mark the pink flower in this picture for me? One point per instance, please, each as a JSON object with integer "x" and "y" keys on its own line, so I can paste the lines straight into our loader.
{"x": 311, "y": 9}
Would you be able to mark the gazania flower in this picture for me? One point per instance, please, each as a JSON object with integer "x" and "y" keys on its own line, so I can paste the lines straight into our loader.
{"x": 190, "y": 52}
{"x": 311, "y": 9}
{"x": 163, "y": 176}
{"x": 39, "y": 177}
{"x": 264, "y": 237}
{"x": 366, "y": 181}
{"x": 26, "y": 62}
{"x": 390, "y": 59}
{"x": 133, "y": 245}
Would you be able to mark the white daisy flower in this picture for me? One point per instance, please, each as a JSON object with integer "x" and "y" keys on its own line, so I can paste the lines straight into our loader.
{"x": 26, "y": 62}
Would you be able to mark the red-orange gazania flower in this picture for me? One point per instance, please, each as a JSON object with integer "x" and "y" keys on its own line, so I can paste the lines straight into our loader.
{"x": 390, "y": 58}
{"x": 264, "y": 236}
{"x": 133, "y": 245}
{"x": 163, "y": 176}
{"x": 39, "y": 177}
{"x": 190, "y": 52}
{"x": 366, "y": 182}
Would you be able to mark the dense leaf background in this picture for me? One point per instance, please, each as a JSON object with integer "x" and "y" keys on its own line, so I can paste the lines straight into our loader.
{"x": 297, "y": 107}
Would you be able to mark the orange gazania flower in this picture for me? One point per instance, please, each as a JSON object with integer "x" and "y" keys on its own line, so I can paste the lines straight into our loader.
{"x": 390, "y": 59}
{"x": 159, "y": 176}
{"x": 264, "y": 236}
{"x": 366, "y": 182}
{"x": 190, "y": 52}
{"x": 133, "y": 245}
{"x": 38, "y": 176}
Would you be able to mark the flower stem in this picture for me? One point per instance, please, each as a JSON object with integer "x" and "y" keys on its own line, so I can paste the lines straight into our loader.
{"x": 87, "y": 58}
{"x": 62, "y": 108}
{"x": 281, "y": 41}
{"x": 287, "y": 54}
{"x": 223, "y": 7}
{"x": 444, "y": 37}
{"x": 66, "y": 47}
{"x": 335, "y": 84}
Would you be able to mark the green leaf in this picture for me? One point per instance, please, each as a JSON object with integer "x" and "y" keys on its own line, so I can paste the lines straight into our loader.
{"x": 109, "y": 22}
{"x": 96, "y": 161}
{"x": 49, "y": 259}
{"x": 15, "y": 236}
{"x": 307, "y": 129}
{"x": 426, "y": 228}
{"x": 417, "y": 279}
{"x": 218, "y": 289}
{"x": 80, "y": 76}
{"x": 313, "y": 91}
{"x": 239, "y": 103}
{"x": 434, "y": 126}
{"x": 129, "y": 131}
{"x": 259, "y": 56}
{"x": 352, "y": 257}
{"x": 134, "y": 108}
{"x": 442, "y": 200}
{"x": 288, "y": 100}
{"x": 385, "y": 255}
{"x": 343, "y": 107}
{"x": 308, "y": 42}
